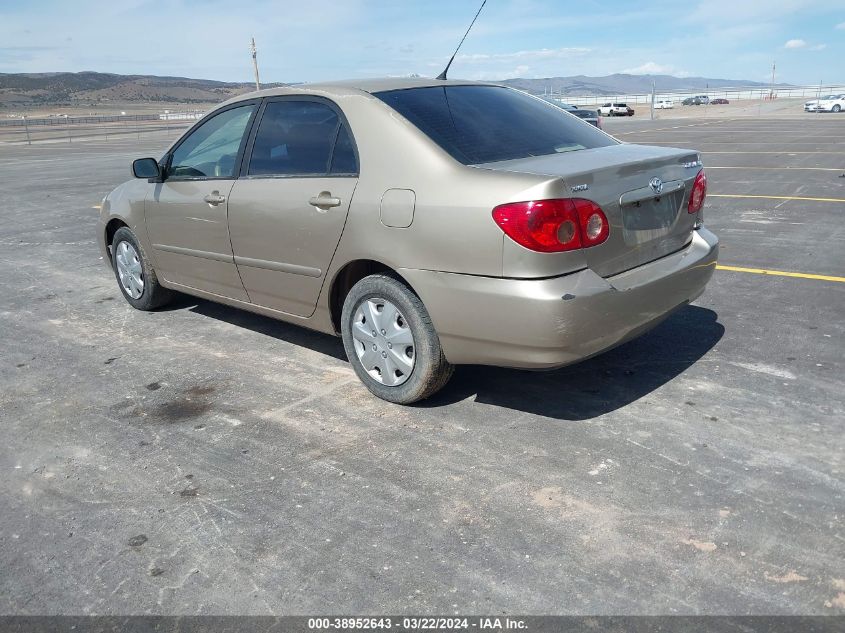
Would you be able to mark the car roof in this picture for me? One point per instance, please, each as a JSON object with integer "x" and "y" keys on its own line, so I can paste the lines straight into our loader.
{"x": 349, "y": 86}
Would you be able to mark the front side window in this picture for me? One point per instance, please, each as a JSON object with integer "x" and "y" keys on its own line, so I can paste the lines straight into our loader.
{"x": 211, "y": 150}
{"x": 483, "y": 124}
{"x": 297, "y": 138}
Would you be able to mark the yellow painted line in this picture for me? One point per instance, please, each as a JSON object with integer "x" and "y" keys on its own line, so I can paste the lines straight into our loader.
{"x": 785, "y": 151}
{"x": 772, "y": 131}
{"x": 728, "y": 141}
{"x": 708, "y": 167}
{"x": 739, "y": 195}
{"x": 780, "y": 273}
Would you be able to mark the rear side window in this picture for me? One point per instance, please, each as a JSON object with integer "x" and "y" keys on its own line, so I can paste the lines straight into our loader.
{"x": 297, "y": 138}
{"x": 484, "y": 124}
{"x": 343, "y": 159}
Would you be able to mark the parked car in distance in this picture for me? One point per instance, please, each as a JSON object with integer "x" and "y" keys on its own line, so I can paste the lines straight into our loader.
{"x": 698, "y": 100}
{"x": 664, "y": 104}
{"x": 828, "y": 103}
{"x": 560, "y": 104}
{"x": 428, "y": 223}
{"x": 719, "y": 101}
{"x": 616, "y": 109}
{"x": 590, "y": 116}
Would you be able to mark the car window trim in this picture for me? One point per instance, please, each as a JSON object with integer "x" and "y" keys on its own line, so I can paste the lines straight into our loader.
{"x": 342, "y": 120}
{"x": 166, "y": 159}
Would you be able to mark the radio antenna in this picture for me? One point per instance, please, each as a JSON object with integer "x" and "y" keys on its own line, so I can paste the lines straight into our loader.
{"x": 442, "y": 76}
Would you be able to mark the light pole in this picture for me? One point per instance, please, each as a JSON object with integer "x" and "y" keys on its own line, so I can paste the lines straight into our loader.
{"x": 255, "y": 63}
{"x": 652, "y": 99}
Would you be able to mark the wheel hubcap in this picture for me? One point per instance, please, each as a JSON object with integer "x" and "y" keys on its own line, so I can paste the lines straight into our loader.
{"x": 129, "y": 270}
{"x": 383, "y": 341}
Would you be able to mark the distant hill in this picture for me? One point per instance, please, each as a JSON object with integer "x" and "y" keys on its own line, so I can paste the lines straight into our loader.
{"x": 39, "y": 89}
{"x": 91, "y": 87}
{"x": 620, "y": 84}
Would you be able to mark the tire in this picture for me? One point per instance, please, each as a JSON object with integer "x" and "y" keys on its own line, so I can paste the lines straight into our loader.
{"x": 836, "y": 108}
{"x": 152, "y": 294}
{"x": 429, "y": 372}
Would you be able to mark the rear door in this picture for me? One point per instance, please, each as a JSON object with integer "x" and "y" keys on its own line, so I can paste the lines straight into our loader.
{"x": 288, "y": 209}
{"x": 186, "y": 214}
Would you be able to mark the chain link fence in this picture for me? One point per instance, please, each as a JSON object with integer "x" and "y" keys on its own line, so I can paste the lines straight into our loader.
{"x": 26, "y": 130}
{"x": 756, "y": 93}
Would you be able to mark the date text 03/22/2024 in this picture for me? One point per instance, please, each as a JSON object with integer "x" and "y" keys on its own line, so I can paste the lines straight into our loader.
{"x": 416, "y": 623}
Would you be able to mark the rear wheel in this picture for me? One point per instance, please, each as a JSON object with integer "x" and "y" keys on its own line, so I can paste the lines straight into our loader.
{"x": 837, "y": 108}
{"x": 135, "y": 276}
{"x": 391, "y": 342}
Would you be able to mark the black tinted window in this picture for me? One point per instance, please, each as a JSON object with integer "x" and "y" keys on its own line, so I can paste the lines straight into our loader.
{"x": 481, "y": 124}
{"x": 294, "y": 138}
{"x": 343, "y": 160}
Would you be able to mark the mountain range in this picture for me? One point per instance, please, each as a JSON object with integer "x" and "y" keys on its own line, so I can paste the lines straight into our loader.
{"x": 92, "y": 88}
{"x": 24, "y": 89}
{"x": 621, "y": 84}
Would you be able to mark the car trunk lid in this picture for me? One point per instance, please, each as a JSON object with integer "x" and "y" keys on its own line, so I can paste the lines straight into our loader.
{"x": 648, "y": 219}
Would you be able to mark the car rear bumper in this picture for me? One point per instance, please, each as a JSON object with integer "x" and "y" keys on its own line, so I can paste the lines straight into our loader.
{"x": 548, "y": 323}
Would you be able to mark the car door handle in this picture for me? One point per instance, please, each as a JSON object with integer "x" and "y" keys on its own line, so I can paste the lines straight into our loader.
{"x": 214, "y": 198}
{"x": 324, "y": 201}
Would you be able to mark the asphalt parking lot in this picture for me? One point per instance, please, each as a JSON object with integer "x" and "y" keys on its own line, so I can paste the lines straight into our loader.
{"x": 205, "y": 460}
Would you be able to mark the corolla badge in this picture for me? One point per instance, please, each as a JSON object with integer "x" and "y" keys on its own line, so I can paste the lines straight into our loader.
{"x": 656, "y": 185}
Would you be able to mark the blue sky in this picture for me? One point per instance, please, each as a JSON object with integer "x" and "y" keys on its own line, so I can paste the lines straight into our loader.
{"x": 312, "y": 40}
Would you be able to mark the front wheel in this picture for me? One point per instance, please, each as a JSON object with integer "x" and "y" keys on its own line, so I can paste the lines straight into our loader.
{"x": 135, "y": 276}
{"x": 391, "y": 342}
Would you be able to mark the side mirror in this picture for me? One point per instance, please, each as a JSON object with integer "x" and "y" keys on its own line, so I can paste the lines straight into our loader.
{"x": 146, "y": 168}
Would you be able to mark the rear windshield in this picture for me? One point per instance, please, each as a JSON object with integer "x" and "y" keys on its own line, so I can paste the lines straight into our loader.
{"x": 485, "y": 124}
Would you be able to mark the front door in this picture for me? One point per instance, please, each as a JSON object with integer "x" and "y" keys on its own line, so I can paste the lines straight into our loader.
{"x": 287, "y": 212}
{"x": 186, "y": 215}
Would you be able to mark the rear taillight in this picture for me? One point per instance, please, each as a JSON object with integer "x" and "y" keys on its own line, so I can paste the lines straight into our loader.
{"x": 553, "y": 226}
{"x": 699, "y": 192}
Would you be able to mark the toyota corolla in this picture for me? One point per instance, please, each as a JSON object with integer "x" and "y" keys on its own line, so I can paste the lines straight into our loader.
{"x": 429, "y": 223}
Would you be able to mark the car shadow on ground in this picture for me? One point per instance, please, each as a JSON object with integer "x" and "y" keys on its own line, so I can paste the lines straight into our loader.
{"x": 294, "y": 334}
{"x": 579, "y": 392}
{"x": 598, "y": 385}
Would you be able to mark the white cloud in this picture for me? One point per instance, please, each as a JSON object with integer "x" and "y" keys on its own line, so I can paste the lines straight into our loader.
{"x": 539, "y": 54}
{"x": 542, "y": 62}
{"x": 652, "y": 68}
{"x": 840, "y": 26}
{"x": 794, "y": 44}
